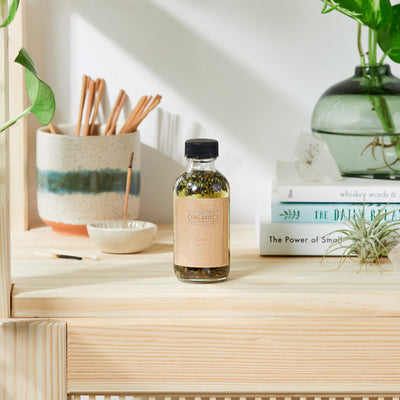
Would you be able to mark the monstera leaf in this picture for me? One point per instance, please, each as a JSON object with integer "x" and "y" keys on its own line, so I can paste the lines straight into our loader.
{"x": 389, "y": 37}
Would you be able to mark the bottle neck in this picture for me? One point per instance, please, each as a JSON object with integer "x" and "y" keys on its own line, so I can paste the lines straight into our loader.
{"x": 377, "y": 70}
{"x": 207, "y": 164}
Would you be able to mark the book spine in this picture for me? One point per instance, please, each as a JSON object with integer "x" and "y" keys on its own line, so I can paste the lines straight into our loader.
{"x": 297, "y": 239}
{"x": 330, "y": 213}
{"x": 338, "y": 194}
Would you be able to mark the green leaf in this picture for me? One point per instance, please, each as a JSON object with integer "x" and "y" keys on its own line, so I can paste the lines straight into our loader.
{"x": 11, "y": 13}
{"x": 40, "y": 94}
{"x": 375, "y": 14}
{"x": 389, "y": 37}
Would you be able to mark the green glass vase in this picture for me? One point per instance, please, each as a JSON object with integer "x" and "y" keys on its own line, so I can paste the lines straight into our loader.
{"x": 359, "y": 119}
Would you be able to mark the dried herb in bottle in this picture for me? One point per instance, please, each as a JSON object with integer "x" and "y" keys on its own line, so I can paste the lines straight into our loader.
{"x": 201, "y": 216}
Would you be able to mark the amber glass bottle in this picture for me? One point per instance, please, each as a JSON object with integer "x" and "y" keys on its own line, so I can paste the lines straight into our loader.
{"x": 201, "y": 216}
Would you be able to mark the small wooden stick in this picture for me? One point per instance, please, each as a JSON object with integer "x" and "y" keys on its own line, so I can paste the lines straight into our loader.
{"x": 100, "y": 87}
{"x": 89, "y": 107}
{"x": 82, "y": 104}
{"x": 111, "y": 117}
{"x": 116, "y": 116}
{"x": 128, "y": 188}
{"x": 145, "y": 113}
{"x": 132, "y": 115}
{"x": 139, "y": 113}
{"x": 52, "y": 129}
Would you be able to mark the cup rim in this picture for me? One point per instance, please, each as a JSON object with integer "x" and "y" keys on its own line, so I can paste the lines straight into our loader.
{"x": 46, "y": 130}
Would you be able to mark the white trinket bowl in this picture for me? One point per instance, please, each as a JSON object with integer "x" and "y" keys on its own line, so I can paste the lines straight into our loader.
{"x": 113, "y": 237}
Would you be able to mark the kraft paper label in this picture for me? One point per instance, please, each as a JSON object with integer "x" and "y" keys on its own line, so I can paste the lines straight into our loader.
{"x": 201, "y": 232}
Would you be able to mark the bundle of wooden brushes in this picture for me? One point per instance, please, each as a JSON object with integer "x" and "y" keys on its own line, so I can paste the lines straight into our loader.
{"x": 91, "y": 94}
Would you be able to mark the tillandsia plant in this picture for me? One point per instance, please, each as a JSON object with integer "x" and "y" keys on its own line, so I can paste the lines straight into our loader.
{"x": 40, "y": 94}
{"x": 368, "y": 240}
{"x": 381, "y": 20}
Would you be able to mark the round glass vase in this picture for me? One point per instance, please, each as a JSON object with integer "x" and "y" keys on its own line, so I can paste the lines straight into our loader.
{"x": 359, "y": 119}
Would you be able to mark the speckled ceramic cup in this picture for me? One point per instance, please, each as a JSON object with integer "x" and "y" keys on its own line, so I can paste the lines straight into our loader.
{"x": 82, "y": 179}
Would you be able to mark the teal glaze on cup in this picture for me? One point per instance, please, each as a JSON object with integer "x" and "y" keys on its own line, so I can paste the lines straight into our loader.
{"x": 87, "y": 182}
{"x": 82, "y": 179}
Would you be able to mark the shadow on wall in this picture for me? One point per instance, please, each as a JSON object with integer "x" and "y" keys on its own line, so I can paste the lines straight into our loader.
{"x": 158, "y": 174}
{"x": 258, "y": 116}
{"x": 240, "y": 102}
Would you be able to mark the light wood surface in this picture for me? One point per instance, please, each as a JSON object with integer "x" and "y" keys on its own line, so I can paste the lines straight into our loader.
{"x": 264, "y": 355}
{"x": 239, "y": 396}
{"x": 5, "y": 283}
{"x": 18, "y": 133}
{"x": 144, "y": 284}
{"x": 5, "y": 274}
{"x": 32, "y": 360}
{"x": 277, "y": 325}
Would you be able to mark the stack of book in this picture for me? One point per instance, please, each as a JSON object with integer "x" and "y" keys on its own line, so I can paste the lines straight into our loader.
{"x": 303, "y": 214}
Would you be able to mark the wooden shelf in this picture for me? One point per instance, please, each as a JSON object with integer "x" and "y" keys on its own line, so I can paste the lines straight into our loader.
{"x": 277, "y": 325}
{"x": 144, "y": 284}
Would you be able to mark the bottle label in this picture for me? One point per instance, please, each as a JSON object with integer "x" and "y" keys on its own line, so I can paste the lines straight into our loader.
{"x": 201, "y": 232}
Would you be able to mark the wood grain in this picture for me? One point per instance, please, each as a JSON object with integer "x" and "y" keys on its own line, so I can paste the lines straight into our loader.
{"x": 144, "y": 284}
{"x": 5, "y": 283}
{"x": 5, "y": 278}
{"x": 19, "y": 217}
{"x": 32, "y": 360}
{"x": 239, "y": 396}
{"x": 232, "y": 355}
{"x": 278, "y": 325}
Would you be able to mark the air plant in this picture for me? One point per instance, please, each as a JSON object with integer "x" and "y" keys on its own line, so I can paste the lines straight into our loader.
{"x": 370, "y": 241}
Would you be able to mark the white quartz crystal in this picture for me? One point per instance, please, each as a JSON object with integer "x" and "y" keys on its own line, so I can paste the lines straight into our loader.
{"x": 314, "y": 161}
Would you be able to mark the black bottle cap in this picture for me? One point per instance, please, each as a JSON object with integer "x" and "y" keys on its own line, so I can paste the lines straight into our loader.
{"x": 201, "y": 148}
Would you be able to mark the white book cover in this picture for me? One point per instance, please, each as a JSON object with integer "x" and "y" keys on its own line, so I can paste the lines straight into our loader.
{"x": 291, "y": 188}
{"x": 302, "y": 239}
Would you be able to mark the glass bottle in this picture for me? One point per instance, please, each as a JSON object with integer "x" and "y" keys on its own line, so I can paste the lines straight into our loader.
{"x": 201, "y": 216}
{"x": 359, "y": 119}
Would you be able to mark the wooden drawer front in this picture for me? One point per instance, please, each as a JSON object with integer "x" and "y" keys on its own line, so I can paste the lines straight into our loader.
{"x": 243, "y": 396}
{"x": 286, "y": 355}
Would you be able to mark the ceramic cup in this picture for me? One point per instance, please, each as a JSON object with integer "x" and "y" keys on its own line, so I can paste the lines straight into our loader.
{"x": 82, "y": 179}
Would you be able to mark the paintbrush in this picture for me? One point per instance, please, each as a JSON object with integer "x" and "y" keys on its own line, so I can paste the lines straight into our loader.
{"x": 59, "y": 254}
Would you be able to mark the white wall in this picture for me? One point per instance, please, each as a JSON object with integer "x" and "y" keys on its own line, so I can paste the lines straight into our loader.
{"x": 246, "y": 72}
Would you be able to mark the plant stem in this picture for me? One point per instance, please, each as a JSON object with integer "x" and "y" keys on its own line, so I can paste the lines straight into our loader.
{"x": 3, "y": 5}
{"x": 383, "y": 112}
{"x": 382, "y": 59}
{"x": 372, "y": 47}
{"x": 378, "y": 102}
{"x": 14, "y": 120}
{"x": 359, "y": 45}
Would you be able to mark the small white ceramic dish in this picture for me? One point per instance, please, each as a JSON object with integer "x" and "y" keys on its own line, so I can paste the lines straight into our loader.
{"x": 112, "y": 237}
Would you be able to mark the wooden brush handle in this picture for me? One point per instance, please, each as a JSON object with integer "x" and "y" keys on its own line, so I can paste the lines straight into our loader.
{"x": 82, "y": 104}
{"x": 100, "y": 88}
{"x": 89, "y": 107}
{"x": 132, "y": 115}
{"x": 145, "y": 113}
{"x": 128, "y": 188}
{"x": 116, "y": 116}
{"x": 52, "y": 129}
{"x": 111, "y": 117}
{"x": 139, "y": 113}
